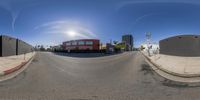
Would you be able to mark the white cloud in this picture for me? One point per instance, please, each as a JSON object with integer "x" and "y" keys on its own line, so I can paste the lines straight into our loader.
{"x": 62, "y": 27}
{"x": 130, "y": 2}
{"x": 14, "y": 9}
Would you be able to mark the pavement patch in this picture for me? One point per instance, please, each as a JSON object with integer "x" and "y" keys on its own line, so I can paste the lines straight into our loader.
{"x": 146, "y": 69}
{"x": 35, "y": 60}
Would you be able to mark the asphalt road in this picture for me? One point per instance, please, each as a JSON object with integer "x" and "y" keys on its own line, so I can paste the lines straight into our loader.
{"x": 118, "y": 77}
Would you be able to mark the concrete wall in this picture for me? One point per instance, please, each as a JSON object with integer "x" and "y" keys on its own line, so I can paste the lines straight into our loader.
{"x": 8, "y": 46}
{"x": 183, "y": 45}
{"x": 23, "y": 47}
{"x": 0, "y": 46}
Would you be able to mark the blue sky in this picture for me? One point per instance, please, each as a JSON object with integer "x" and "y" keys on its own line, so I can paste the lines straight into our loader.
{"x": 49, "y": 22}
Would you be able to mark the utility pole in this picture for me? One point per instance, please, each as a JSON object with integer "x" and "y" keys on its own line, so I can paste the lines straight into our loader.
{"x": 148, "y": 41}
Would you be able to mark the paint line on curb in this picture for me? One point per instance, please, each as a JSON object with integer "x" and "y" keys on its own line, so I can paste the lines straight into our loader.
{"x": 9, "y": 71}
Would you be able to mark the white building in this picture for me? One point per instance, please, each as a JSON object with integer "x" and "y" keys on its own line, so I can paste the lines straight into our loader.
{"x": 153, "y": 48}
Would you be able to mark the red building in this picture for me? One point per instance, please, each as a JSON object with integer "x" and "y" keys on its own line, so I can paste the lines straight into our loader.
{"x": 82, "y": 44}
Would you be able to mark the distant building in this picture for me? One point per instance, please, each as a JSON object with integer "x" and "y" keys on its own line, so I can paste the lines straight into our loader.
{"x": 128, "y": 40}
{"x": 109, "y": 48}
{"x": 82, "y": 44}
{"x": 56, "y": 48}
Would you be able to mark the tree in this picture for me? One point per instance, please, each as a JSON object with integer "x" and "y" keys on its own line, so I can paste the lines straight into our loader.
{"x": 115, "y": 42}
{"x": 42, "y": 48}
{"x": 120, "y": 46}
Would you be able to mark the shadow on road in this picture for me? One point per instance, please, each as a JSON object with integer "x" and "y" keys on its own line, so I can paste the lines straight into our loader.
{"x": 166, "y": 82}
{"x": 84, "y": 55}
{"x": 146, "y": 69}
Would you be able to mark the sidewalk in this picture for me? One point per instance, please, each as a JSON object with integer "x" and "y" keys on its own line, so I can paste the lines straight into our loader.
{"x": 13, "y": 63}
{"x": 177, "y": 65}
{"x": 176, "y": 68}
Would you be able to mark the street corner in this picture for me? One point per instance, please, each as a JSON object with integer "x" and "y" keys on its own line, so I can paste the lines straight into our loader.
{"x": 12, "y": 67}
{"x": 175, "y": 65}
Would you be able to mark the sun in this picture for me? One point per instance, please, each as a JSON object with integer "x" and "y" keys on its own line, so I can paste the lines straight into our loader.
{"x": 72, "y": 33}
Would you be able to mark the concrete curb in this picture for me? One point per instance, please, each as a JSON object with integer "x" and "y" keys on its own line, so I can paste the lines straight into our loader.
{"x": 6, "y": 72}
{"x": 170, "y": 72}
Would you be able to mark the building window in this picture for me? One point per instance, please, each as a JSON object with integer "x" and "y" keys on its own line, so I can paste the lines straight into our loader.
{"x": 68, "y": 43}
{"x": 89, "y": 43}
{"x": 81, "y": 42}
{"x": 74, "y": 43}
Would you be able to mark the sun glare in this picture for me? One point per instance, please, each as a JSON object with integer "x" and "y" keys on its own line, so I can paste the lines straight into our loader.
{"x": 72, "y": 33}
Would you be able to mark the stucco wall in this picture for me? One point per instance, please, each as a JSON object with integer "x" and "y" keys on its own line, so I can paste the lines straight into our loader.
{"x": 8, "y": 46}
{"x": 183, "y": 45}
{"x": 23, "y": 47}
